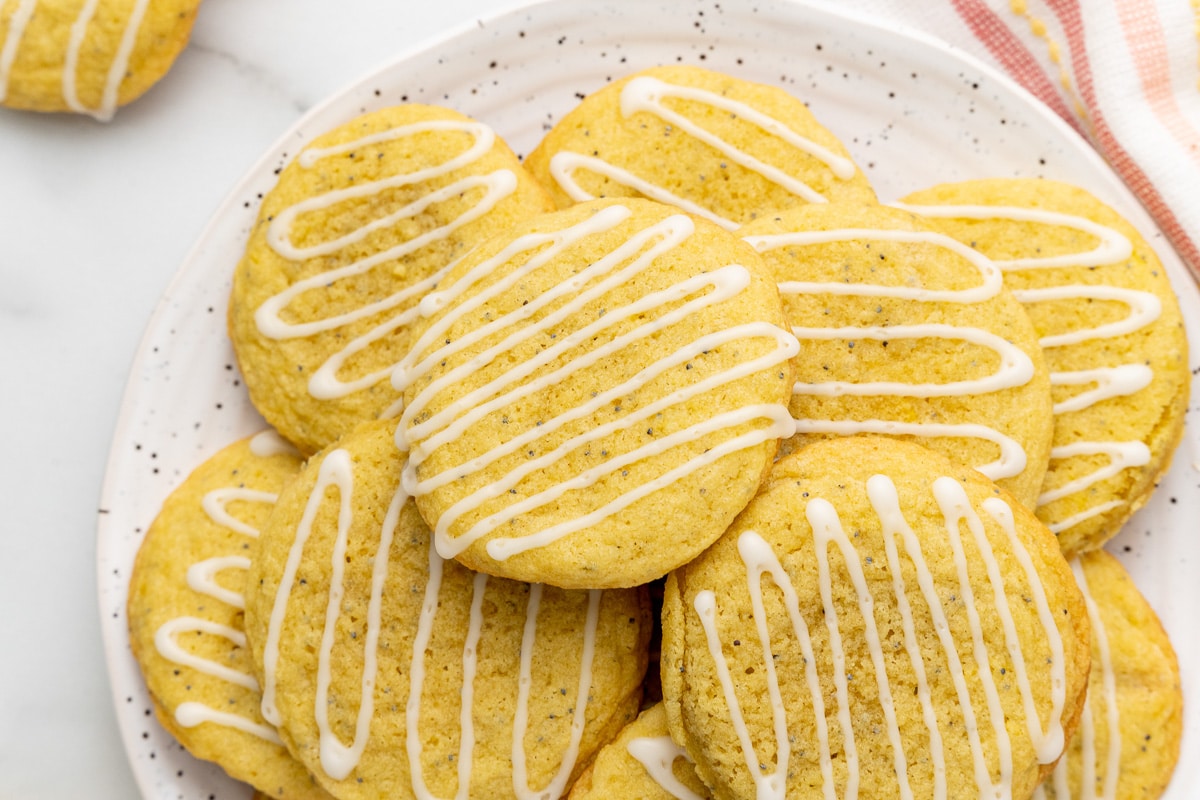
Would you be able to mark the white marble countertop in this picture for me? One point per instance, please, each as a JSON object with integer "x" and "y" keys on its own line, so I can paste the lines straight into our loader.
{"x": 94, "y": 221}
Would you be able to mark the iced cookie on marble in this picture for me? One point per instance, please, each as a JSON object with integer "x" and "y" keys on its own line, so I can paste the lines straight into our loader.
{"x": 88, "y": 57}
{"x": 1129, "y": 738}
{"x": 642, "y": 762}
{"x": 594, "y": 397}
{"x": 1112, "y": 331}
{"x": 904, "y": 331}
{"x": 363, "y": 222}
{"x": 879, "y": 622}
{"x": 392, "y": 672}
{"x": 186, "y": 610}
{"x": 710, "y": 144}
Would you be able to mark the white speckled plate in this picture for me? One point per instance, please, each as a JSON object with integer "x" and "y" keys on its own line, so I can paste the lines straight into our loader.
{"x": 912, "y": 111}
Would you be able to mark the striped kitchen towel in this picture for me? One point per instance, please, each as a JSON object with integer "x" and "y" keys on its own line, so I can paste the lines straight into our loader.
{"x": 1124, "y": 73}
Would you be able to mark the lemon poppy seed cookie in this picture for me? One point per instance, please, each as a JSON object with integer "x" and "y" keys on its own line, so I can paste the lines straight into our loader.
{"x": 904, "y": 331}
{"x": 393, "y": 673}
{"x": 710, "y": 144}
{"x": 879, "y": 622}
{"x": 185, "y": 615}
{"x": 361, "y": 224}
{"x": 1129, "y": 737}
{"x": 1113, "y": 334}
{"x": 88, "y": 57}
{"x": 643, "y": 762}
{"x": 594, "y": 397}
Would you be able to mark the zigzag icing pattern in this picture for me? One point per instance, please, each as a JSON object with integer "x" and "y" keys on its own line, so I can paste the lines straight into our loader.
{"x": 339, "y": 759}
{"x": 1016, "y": 368}
{"x": 1110, "y": 382}
{"x": 760, "y": 560}
{"x": 498, "y": 185}
{"x": 1060, "y": 779}
{"x": 645, "y": 93}
{"x": 614, "y": 269}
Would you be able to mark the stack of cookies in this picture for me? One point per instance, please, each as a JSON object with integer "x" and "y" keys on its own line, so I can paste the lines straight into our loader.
{"x": 671, "y": 463}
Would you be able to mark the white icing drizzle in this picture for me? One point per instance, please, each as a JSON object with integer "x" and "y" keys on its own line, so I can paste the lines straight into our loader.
{"x": 1124, "y": 380}
{"x": 1060, "y": 778}
{"x": 336, "y": 471}
{"x": 578, "y": 714}
{"x": 780, "y": 424}
{"x": 1015, "y": 368}
{"x": 620, "y": 266}
{"x": 1110, "y": 382}
{"x": 191, "y": 714}
{"x": 657, "y": 755}
{"x": 201, "y": 578}
{"x": 1087, "y": 732}
{"x": 165, "y": 641}
{"x": 1121, "y": 456}
{"x": 338, "y": 759}
{"x": 216, "y": 501}
{"x": 513, "y": 477}
{"x": 412, "y": 712}
{"x": 991, "y": 280}
{"x": 414, "y": 741}
{"x": 265, "y": 444}
{"x": 645, "y": 93}
{"x": 324, "y": 384}
{"x": 545, "y": 246}
{"x": 1048, "y": 744}
{"x": 1113, "y": 246}
{"x": 116, "y": 70}
{"x": 886, "y": 502}
{"x": 1086, "y": 514}
{"x": 827, "y": 529}
{"x": 565, "y": 163}
{"x": 1011, "y": 461}
{"x": 772, "y": 785}
{"x": 1144, "y": 308}
{"x": 759, "y": 558}
{"x": 18, "y": 23}
{"x": 12, "y": 42}
{"x": 956, "y": 507}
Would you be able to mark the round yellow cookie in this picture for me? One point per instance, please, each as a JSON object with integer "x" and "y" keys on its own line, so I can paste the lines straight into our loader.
{"x": 393, "y": 673}
{"x": 879, "y": 622}
{"x": 185, "y": 615}
{"x": 122, "y": 48}
{"x": 642, "y": 762}
{"x": 594, "y": 397}
{"x": 1134, "y": 690}
{"x": 362, "y": 223}
{"x": 904, "y": 331}
{"x": 710, "y": 144}
{"x": 1113, "y": 334}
